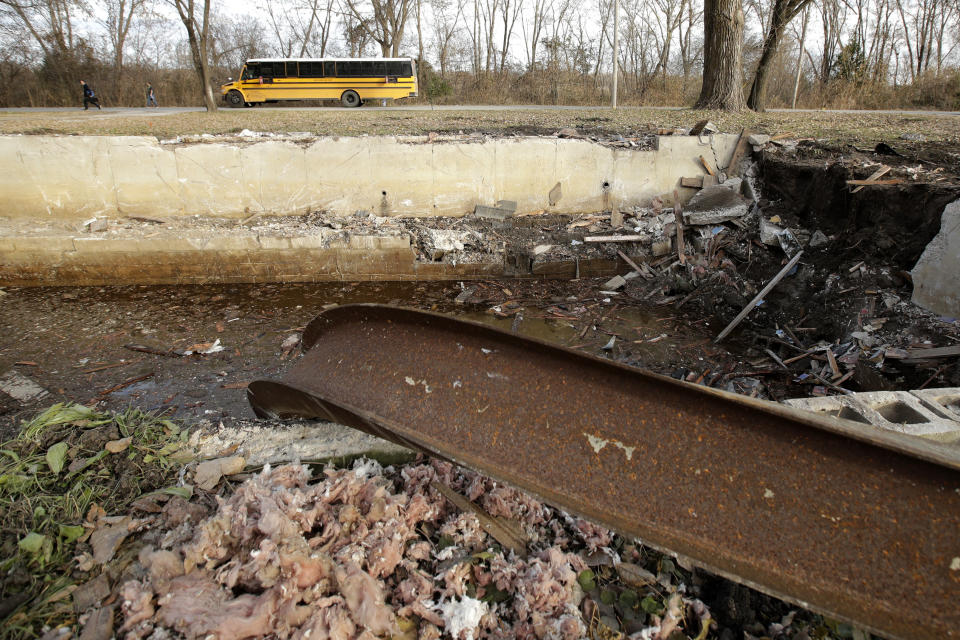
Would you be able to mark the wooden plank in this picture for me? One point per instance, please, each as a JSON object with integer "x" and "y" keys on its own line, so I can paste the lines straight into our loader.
{"x": 870, "y": 183}
{"x": 763, "y": 292}
{"x": 678, "y": 214}
{"x": 706, "y": 165}
{"x": 936, "y": 352}
{"x": 875, "y": 175}
{"x": 626, "y": 238}
{"x": 738, "y": 151}
{"x": 633, "y": 265}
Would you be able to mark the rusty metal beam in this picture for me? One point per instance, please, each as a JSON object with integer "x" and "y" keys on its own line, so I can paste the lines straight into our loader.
{"x": 859, "y": 524}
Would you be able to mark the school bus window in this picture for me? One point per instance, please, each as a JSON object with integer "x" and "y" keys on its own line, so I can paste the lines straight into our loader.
{"x": 352, "y": 82}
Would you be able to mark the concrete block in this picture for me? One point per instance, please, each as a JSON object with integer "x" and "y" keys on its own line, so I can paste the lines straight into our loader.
{"x": 946, "y": 401}
{"x": 394, "y": 242}
{"x": 20, "y": 387}
{"x": 714, "y": 205}
{"x": 614, "y": 283}
{"x": 935, "y": 285}
{"x": 903, "y": 412}
{"x": 836, "y": 407}
{"x": 900, "y": 411}
{"x": 491, "y": 213}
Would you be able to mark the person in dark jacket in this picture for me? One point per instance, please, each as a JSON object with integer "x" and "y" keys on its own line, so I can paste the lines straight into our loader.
{"x": 89, "y": 97}
{"x": 151, "y": 96}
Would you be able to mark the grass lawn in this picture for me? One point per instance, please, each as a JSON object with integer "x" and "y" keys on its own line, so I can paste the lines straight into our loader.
{"x": 856, "y": 128}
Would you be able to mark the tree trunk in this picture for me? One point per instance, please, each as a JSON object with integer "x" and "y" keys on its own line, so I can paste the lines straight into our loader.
{"x": 722, "y": 56}
{"x": 197, "y": 36}
{"x": 778, "y": 22}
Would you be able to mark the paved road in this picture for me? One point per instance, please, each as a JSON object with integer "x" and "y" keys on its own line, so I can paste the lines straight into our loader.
{"x": 139, "y": 111}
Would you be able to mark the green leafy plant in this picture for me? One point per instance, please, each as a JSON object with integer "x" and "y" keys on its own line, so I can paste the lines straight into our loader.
{"x": 50, "y": 477}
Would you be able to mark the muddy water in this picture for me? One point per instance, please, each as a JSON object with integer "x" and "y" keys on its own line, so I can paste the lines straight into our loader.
{"x": 76, "y": 343}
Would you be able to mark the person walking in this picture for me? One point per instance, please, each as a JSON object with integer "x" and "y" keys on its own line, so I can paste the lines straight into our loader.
{"x": 151, "y": 96}
{"x": 89, "y": 97}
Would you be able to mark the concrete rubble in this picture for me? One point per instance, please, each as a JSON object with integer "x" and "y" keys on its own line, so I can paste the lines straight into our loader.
{"x": 935, "y": 282}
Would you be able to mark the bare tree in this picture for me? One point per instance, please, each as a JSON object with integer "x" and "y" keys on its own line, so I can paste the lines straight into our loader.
{"x": 832, "y": 18}
{"x": 383, "y": 20}
{"x": 196, "y": 20}
{"x": 445, "y": 16}
{"x": 537, "y": 22}
{"x": 119, "y": 18}
{"x": 783, "y": 12}
{"x": 722, "y": 56}
{"x": 49, "y": 22}
{"x": 690, "y": 50}
{"x": 300, "y": 27}
{"x": 509, "y": 12}
{"x": 919, "y": 20}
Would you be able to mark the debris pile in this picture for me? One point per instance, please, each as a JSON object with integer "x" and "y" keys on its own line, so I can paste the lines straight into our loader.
{"x": 368, "y": 552}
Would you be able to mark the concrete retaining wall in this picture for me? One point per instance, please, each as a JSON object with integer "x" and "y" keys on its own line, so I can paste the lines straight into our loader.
{"x": 72, "y": 178}
{"x": 82, "y": 261}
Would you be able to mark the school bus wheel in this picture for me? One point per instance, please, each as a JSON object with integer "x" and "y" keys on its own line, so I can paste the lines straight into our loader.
{"x": 235, "y": 99}
{"x": 350, "y": 99}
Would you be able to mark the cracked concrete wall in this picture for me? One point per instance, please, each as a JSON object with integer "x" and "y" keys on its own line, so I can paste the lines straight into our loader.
{"x": 72, "y": 178}
{"x": 935, "y": 277}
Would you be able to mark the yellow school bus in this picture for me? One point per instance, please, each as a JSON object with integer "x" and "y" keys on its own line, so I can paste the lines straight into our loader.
{"x": 349, "y": 80}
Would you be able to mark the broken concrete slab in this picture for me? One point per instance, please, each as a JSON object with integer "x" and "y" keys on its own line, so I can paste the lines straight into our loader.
{"x": 693, "y": 183}
{"x": 260, "y": 442}
{"x": 617, "y": 282}
{"x": 492, "y": 213}
{"x": 769, "y": 232}
{"x": 21, "y": 388}
{"x": 716, "y": 204}
{"x": 555, "y": 194}
{"x": 758, "y": 139}
{"x": 935, "y": 283}
{"x": 704, "y": 127}
{"x": 614, "y": 283}
{"x": 818, "y": 239}
{"x": 464, "y": 295}
{"x": 448, "y": 239}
